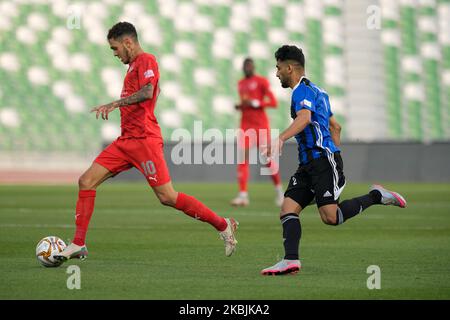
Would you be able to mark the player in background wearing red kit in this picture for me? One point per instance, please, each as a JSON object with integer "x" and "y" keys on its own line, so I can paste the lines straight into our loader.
{"x": 255, "y": 94}
{"x": 140, "y": 145}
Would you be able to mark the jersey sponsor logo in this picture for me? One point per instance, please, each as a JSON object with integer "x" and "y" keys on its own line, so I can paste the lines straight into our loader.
{"x": 327, "y": 194}
{"x": 149, "y": 73}
{"x": 306, "y": 103}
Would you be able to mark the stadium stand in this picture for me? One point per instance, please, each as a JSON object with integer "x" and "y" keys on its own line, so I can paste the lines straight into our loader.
{"x": 55, "y": 64}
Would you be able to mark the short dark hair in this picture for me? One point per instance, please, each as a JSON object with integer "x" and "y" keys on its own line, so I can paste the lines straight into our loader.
{"x": 247, "y": 60}
{"x": 288, "y": 52}
{"x": 121, "y": 29}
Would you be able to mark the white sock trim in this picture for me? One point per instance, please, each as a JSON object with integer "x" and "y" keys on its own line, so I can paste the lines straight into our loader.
{"x": 243, "y": 194}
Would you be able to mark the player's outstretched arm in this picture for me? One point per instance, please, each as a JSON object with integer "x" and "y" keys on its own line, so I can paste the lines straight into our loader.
{"x": 145, "y": 93}
{"x": 335, "y": 130}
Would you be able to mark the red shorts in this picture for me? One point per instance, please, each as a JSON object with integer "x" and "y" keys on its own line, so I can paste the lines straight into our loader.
{"x": 145, "y": 154}
{"x": 250, "y": 137}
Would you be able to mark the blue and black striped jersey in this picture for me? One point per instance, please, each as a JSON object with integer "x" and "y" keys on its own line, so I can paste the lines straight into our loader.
{"x": 315, "y": 140}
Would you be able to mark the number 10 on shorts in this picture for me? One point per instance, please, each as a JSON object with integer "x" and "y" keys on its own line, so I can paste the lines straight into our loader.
{"x": 148, "y": 167}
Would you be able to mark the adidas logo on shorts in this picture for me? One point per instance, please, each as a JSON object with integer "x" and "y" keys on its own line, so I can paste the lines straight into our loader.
{"x": 327, "y": 194}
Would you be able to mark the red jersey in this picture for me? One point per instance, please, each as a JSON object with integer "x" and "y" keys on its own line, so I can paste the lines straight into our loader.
{"x": 255, "y": 88}
{"x": 138, "y": 120}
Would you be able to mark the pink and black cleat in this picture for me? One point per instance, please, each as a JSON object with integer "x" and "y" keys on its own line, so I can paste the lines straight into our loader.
{"x": 389, "y": 197}
{"x": 283, "y": 267}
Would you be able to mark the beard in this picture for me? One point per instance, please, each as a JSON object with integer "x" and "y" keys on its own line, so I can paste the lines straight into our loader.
{"x": 126, "y": 58}
{"x": 284, "y": 84}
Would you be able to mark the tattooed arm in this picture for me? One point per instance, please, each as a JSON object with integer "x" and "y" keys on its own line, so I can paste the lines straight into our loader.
{"x": 145, "y": 93}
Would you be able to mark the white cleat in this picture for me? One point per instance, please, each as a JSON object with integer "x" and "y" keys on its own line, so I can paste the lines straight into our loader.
{"x": 240, "y": 201}
{"x": 72, "y": 251}
{"x": 389, "y": 197}
{"x": 283, "y": 267}
{"x": 228, "y": 236}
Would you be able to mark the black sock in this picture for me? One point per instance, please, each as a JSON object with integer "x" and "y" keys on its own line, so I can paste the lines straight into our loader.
{"x": 350, "y": 208}
{"x": 292, "y": 232}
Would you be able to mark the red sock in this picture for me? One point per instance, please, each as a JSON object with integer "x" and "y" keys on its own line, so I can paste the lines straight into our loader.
{"x": 197, "y": 210}
{"x": 85, "y": 207}
{"x": 274, "y": 168}
{"x": 243, "y": 176}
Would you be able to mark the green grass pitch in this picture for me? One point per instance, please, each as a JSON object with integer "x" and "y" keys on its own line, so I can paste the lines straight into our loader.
{"x": 142, "y": 250}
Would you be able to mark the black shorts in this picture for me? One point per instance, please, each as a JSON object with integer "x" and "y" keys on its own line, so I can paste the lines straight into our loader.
{"x": 322, "y": 179}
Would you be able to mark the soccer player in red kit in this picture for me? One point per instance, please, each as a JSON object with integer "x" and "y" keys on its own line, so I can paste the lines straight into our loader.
{"x": 140, "y": 145}
{"x": 255, "y": 94}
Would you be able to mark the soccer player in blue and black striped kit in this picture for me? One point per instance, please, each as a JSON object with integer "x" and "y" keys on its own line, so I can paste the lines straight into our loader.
{"x": 320, "y": 173}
